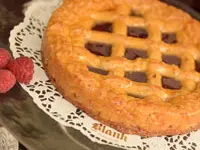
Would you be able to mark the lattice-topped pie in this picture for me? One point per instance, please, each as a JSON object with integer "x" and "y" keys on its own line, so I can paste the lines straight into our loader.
{"x": 132, "y": 64}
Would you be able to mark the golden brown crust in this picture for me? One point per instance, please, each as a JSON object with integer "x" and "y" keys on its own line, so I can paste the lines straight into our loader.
{"x": 162, "y": 111}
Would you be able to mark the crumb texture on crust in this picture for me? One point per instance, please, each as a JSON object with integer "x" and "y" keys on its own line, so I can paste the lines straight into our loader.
{"x": 155, "y": 110}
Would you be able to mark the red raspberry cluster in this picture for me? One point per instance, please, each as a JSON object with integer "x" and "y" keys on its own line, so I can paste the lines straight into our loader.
{"x": 13, "y": 70}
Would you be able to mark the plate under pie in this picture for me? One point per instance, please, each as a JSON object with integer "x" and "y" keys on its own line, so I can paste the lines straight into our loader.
{"x": 131, "y": 64}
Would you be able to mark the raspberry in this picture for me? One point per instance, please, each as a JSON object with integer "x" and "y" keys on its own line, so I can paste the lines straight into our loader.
{"x": 22, "y": 68}
{"x": 7, "y": 80}
{"x": 4, "y": 58}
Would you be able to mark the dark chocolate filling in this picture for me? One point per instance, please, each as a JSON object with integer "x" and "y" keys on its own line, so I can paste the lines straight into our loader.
{"x": 170, "y": 83}
{"x": 169, "y": 38}
{"x": 99, "y": 48}
{"x": 104, "y": 27}
{"x": 136, "y": 76}
{"x": 137, "y": 32}
{"x": 132, "y": 53}
{"x": 133, "y": 13}
{"x": 197, "y": 66}
{"x": 170, "y": 59}
{"x": 98, "y": 71}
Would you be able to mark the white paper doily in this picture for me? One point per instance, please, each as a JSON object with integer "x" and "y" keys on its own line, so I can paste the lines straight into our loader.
{"x": 25, "y": 40}
{"x": 7, "y": 141}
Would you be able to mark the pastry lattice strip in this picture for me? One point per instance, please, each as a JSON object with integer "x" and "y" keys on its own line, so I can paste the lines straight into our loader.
{"x": 153, "y": 65}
